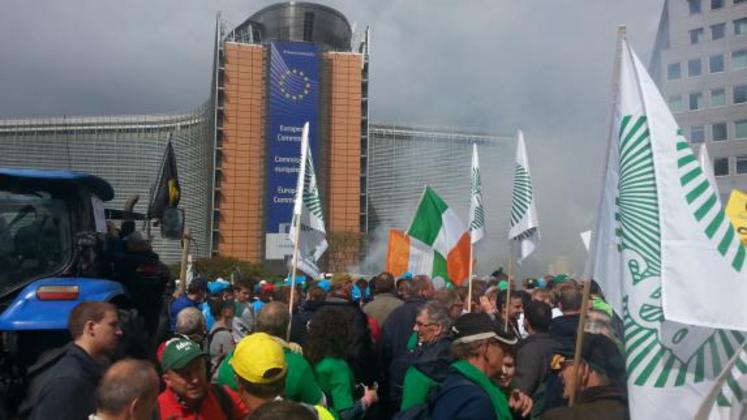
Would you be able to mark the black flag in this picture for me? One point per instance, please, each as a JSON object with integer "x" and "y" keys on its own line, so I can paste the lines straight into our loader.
{"x": 167, "y": 190}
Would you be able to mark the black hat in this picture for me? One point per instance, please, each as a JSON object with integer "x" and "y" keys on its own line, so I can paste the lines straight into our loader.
{"x": 473, "y": 327}
{"x": 599, "y": 352}
{"x": 603, "y": 355}
{"x": 198, "y": 284}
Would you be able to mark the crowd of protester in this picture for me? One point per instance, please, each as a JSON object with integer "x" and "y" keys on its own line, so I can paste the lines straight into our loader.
{"x": 352, "y": 349}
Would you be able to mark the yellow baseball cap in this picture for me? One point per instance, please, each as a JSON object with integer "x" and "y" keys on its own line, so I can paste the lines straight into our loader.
{"x": 259, "y": 359}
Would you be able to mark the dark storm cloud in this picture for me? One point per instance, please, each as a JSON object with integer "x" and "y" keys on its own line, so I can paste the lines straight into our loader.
{"x": 540, "y": 65}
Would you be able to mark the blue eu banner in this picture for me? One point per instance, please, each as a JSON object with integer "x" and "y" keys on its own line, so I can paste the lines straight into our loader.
{"x": 294, "y": 99}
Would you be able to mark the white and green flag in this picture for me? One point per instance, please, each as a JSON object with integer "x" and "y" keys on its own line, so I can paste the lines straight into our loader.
{"x": 705, "y": 163}
{"x": 666, "y": 256}
{"x": 524, "y": 226}
{"x": 307, "y": 213}
{"x": 476, "y": 208}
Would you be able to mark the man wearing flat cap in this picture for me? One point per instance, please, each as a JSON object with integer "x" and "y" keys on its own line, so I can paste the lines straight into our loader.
{"x": 468, "y": 392}
{"x": 600, "y": 392}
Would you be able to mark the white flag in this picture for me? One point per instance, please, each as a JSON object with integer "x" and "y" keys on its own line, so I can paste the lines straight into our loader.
{"x": 307, "y": 213}
{"x": 476, "y": 208}
{"x": 524, "y": 227}
{"x": 705, "y": 163}
{"x": 664, "y": 252}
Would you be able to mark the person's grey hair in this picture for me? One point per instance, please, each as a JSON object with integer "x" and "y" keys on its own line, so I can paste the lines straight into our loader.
{"x": 273, "y": 319}
{"x": 190, "y": 321}
{"x": 438, "y": 313}
{"x": 125, "y": 381}
{"x": 465, "y": 351}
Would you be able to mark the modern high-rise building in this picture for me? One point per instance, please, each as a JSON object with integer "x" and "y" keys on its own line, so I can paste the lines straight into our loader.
{"x": 700, "y": 65}
{"x": 288, "y": 64}
{"x": 238, "y": 153}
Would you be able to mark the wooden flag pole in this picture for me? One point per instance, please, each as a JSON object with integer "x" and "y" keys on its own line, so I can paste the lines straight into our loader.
{"x": 508, "y": 293}
{"x": 469, "y": 279}
{"x": 579, "y": 341}
{"x": 186, "y": 244}
{"x": 293, "y": 277}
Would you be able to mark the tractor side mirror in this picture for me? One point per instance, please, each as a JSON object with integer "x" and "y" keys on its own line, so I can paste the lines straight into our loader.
{"x": 172, "y": 223}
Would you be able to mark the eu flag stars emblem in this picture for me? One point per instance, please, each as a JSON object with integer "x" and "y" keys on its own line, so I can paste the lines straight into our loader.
{"x": 294, "y": 85}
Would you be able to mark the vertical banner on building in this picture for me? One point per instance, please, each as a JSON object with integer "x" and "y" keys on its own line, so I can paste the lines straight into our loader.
{"x": 293, "y": 100}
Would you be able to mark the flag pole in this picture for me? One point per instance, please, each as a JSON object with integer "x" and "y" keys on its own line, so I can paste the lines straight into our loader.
{"x": 296, "y": 221}
{"x": 508, "y": 290}
{"x": 469, "y": 279}
{"x": 579, "y": 341}
{"x": 293, "y": 277}
{"x": 186, "y": 244}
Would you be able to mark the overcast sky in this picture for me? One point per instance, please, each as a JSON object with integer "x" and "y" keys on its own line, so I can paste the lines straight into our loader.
{"x": 540, "y": 65}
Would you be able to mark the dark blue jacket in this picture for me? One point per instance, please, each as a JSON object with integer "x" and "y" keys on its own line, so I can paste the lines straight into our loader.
{"x": 69, "y": 388}
{"x": 461, "y": 399}
{"x": 394, "y": 335}
{"x": 563, "y": 330}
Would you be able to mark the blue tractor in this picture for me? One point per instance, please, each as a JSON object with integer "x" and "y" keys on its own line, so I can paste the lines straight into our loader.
{"x": 55, "y": 252}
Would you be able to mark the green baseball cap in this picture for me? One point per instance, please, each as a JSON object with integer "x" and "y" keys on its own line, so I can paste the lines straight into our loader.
{"x": 178, "y": 353}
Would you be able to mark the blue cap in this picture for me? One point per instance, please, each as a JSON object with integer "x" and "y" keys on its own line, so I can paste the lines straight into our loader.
{"x": 218, "y": 286}
{"x": 325, "y": 284}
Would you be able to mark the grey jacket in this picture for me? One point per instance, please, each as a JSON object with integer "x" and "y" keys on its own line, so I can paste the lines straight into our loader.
{"x": 382, "y": 306}
{"x": 533, "y": 356}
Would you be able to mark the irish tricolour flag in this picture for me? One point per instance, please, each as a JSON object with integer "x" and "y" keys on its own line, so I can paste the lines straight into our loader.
{"x": 437, "y": 243}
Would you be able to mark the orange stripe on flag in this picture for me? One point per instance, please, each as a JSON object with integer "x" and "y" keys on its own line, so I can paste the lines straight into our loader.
{"x": 457, "y": 262}
{"x": 398, "y": 254}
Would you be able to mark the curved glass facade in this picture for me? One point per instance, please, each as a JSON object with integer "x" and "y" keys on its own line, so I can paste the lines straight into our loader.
{"x": 127, "y": 152}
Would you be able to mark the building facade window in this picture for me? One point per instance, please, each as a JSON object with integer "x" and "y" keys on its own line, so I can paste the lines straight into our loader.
{"x": 697, "y": 36}
{"x": 742, "y": 164}
{"x": 740, "y": 94}
{"x": 740, "y": 130}
{"x": 675, "y": 103}
{"x": 697, "y": 134}
{"x": 718, "y": 131}
{"x": 695, "y": 6}
{"x": 739, "y": 59}
{"x": 740, "y": 26}
{"x": 717, "y": 4}
{"x": 696, "y": 101}
{"x": 674, "y": 71}
{"x": 718, "y": 97}
{"x": 721, "y": 166}
{"x": 718, "y": 31}
{"x": 716, "y": 63}
{"x": 694, "y": 67}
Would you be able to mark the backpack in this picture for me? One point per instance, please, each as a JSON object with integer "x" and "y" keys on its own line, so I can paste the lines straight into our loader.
{"x": 424, "y": 411}
{"x": 420, "y": 411}
{"x": 214, "y": 367}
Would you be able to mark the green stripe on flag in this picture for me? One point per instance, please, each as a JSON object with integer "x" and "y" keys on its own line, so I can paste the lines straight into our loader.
{"x": 427, "y": 222}
{"x": 439, "y": 266}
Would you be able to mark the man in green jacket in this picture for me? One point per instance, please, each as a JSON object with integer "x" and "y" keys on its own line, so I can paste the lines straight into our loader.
{"x": 431, "y": 355}
{"x": 300, "y": 384}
